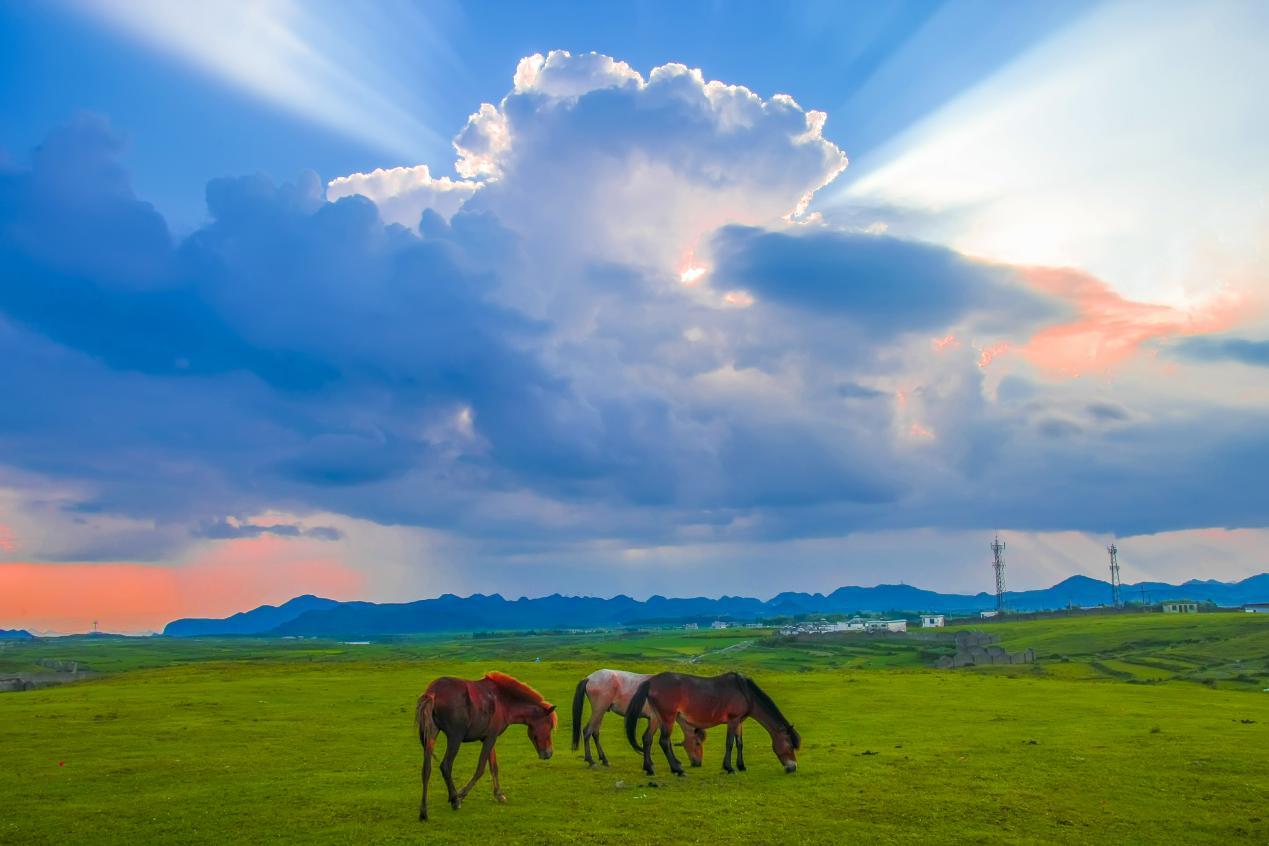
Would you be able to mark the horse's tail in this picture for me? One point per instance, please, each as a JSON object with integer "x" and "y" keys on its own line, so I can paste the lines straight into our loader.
{"x": 423, "y": 717}
{"x": 578, "y": 696}
{"x": 634, "y": 711}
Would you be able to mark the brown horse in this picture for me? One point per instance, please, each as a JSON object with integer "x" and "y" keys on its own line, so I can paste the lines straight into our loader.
{"x": 467, "y": 711}
{"x": 706, "y": 702}
{"x": 610, "y": 690}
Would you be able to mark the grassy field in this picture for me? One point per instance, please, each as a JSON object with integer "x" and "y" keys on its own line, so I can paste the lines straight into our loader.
{"x": 1130, "y": 729}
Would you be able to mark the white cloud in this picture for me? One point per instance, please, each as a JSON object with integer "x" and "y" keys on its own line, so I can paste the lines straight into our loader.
{"x": 631, "y": 169}
{"x": 402, "y": 193}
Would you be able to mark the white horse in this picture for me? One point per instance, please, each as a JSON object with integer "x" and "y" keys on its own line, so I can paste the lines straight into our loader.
{"x": 610, "y": 690}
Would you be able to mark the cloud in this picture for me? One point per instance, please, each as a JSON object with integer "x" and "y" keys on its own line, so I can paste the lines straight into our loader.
{"x": 620, "y": 341}
{"x": 1109, "y": 329}
{"x": 1241, "y": 350}
{"x": 402, "y": 193}
{"x": 587, "y": 145}
{"x": 881, "y": 285}
{"x": 225, "y": 529}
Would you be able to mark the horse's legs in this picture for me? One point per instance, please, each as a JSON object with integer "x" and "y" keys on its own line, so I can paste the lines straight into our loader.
{"x": 598, "y": 721}
{"x": 592, "y": 731}
{"x": 668, "y": 748}
{"x": 731, "y": 741}
{"x": 493, "y": 771}
{"x": 740, "y": 745}
{"x": 428, "y": 748}
{"x": 647, "y": 746}
{"x": 452, "y": 742}
{"x": 485, "y": 749}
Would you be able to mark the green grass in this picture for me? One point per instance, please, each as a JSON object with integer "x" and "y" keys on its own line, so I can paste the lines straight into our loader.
{"x": 245, "y": 740}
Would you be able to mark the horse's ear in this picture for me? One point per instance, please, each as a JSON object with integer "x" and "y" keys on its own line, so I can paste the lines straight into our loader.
{"x": 550, "y": 709}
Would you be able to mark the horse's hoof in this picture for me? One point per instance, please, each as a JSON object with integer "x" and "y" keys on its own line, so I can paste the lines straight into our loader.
{"x": 696, "y": 763}
{"x": 501, "y": 797}
{"x": 456, "y": 804}
{"x": 679, "y": 773}
{"x": 422, "y": 816}
{"x": 729, "y": 771}
{"x": 590, "y": 764}
{"x": 603, "y": 761}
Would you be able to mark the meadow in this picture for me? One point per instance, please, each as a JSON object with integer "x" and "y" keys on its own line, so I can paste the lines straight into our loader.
{"x": 1128, "y": 729}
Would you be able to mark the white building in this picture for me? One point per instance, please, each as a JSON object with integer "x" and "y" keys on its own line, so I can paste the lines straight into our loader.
{"x": 1180, "y": 606}
{"x": 718, "y": 624}
{"x": 987, "y": 614}
{"x": 856, "y": 624}
{"x": 691, "y": 626}
{"x": 1257, "y": 607}
{"x": 932, "y": 621}
{"x": 886, "y": 625}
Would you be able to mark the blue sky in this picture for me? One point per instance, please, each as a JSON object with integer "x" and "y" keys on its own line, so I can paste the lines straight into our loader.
{"x": 396, "y": 299}
{"x": 874, "y": 67}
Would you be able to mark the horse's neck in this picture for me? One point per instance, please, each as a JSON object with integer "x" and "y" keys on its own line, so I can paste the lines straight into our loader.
{"x": 767, "y": 720}
{"x": 520, "y": 711}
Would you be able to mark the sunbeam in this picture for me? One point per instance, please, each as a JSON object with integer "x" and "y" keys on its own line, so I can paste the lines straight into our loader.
{"x": 1128, "y": 145}
{"x": 322, "y": 61}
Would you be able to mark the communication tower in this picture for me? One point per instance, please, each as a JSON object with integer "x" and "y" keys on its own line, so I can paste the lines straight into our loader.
{"x": 998, "y": 564}
{"x": 1115, "y": 598}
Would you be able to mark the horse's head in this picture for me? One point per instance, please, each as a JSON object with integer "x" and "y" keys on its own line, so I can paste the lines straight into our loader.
{"x": 786, "y": 743}
{"x": 541, "y": 723}
{"x": 694, "y": 745}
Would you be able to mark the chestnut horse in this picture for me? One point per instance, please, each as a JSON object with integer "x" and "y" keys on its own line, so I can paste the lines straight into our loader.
{"x": 610, "y": 690}
{"x": 705, "y": 702}
{"x": 467, "y": 711}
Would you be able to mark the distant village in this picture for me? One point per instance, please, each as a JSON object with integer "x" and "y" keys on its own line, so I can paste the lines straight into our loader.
{"x": 824, "y": 626}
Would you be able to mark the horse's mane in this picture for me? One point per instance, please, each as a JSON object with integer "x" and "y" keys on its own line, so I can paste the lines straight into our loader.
{"x": 769, "y": 704}
{"x": 516, "y": 689}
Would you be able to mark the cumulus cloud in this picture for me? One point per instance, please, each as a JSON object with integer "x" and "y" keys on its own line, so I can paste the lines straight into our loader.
{"x": 631, "y": 168}
{"x": 402, "y": 193}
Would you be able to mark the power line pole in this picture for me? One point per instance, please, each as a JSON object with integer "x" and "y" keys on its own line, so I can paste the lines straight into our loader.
{"x": 1115, "y": 601}
{"x": 998, "y": 564}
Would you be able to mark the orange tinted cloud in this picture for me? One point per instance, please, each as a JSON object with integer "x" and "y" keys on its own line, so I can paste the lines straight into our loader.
{"x": 234, "y": 575}
{"x": 1109, "y": 328}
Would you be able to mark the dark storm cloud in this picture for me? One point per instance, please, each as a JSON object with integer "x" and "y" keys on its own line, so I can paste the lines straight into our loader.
{"x": 1202, "y": 348}
{"x": 224, "y": 530}
{"x": 882, "y": 285}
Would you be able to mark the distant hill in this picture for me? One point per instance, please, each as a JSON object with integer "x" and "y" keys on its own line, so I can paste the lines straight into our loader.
{"x": 312, "y": 616}
{"x": 15, "y": 634}
{"x": 258, "y": 621}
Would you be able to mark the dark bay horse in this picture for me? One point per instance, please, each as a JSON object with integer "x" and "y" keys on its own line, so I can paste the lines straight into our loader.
{"x": 467, "y": 711}
{"x": 706, "y": 702}
{"x": 611, "y": 690}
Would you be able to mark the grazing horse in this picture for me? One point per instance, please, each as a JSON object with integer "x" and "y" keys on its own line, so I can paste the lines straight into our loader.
{"x": 706, "y": 702}
{"x": 610, "y": 690}
{"x": 467, "y": 711}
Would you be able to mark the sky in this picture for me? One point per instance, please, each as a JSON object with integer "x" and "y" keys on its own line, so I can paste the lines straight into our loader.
{"x": 396, "y": 299}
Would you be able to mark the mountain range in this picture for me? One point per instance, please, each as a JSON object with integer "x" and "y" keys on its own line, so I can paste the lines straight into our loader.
{"x": 311, "y": 616}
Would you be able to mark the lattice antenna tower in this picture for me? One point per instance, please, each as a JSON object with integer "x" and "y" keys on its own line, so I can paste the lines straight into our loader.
{"x": 998, "y": 564}
{"x": 1115, "y": 598}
